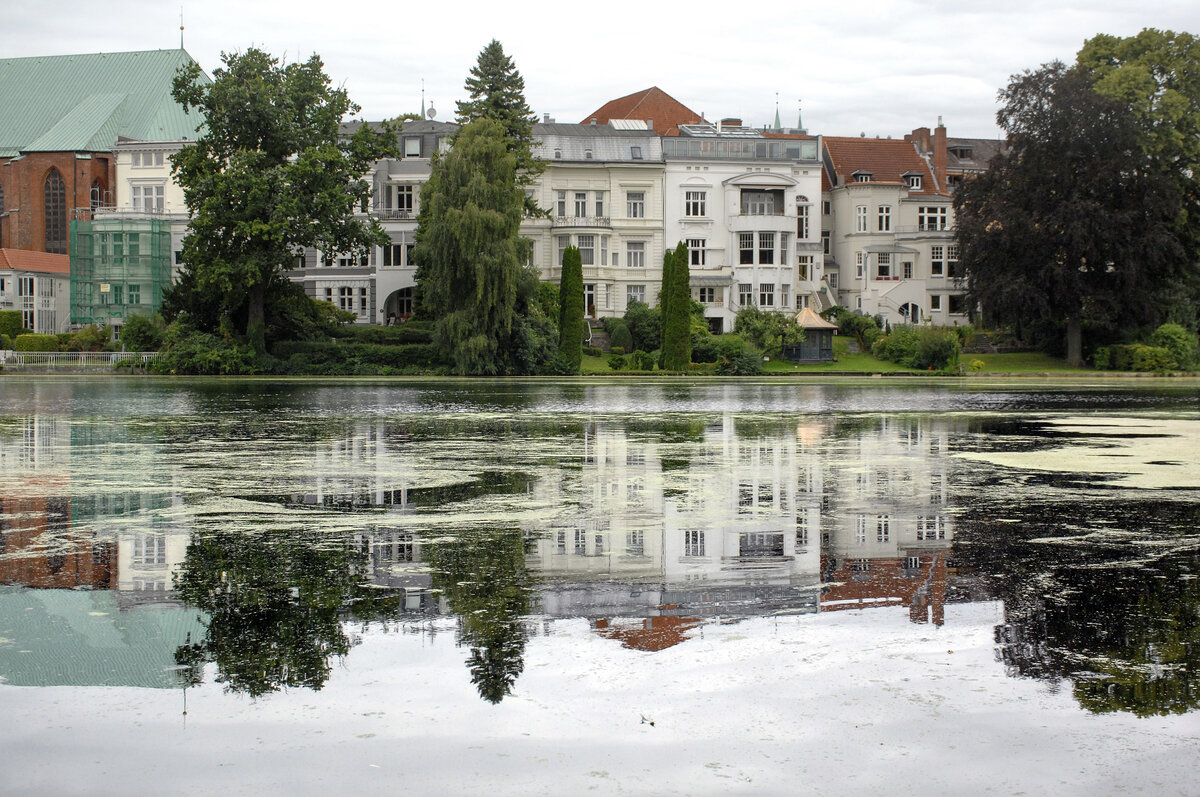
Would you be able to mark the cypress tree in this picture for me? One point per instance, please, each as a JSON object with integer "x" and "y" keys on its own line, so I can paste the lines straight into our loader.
{"x": 570, "y": 315}
{"x": 676, "y": 351}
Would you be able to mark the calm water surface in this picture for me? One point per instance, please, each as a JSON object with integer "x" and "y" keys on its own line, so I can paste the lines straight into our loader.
{"x": 465, "y": 587}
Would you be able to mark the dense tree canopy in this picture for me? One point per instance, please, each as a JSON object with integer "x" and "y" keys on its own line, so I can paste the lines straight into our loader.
{"x": 270, "y": 175}
{"x": 1074, "y": 223}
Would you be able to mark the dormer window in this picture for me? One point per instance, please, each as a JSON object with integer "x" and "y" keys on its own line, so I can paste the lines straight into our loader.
{"x": 913, "y": 181}
{"x": 412, "y": 147}
{"x": 862, "y": 177}
{"x": 558, "y": 154}
{"x": 587, "y": 155}
{"x": 962, "y": 153}
{"x": 635, "y": 153}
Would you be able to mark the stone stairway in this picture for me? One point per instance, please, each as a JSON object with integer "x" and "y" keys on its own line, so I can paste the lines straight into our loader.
{"x": 599, "y": 336}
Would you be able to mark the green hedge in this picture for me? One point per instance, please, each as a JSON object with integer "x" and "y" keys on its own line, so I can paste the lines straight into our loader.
{"x": 10, "y": 323}
{"x": 5, "y": 342}
{"x": 1133, "y": 357}
{"x": 31, "y": 341}
{"x": 338, "y": 357}
{"x": 400, "y": 335}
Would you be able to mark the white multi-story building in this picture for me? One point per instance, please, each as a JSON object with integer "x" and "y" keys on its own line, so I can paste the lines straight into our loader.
{"x": 37, "y": 285}
{"x": 603, "y": 188}
{"x": 744, "y": 203}
{"x": 888, "y": 229}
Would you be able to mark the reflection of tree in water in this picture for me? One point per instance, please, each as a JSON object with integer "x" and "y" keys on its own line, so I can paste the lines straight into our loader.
{"x": 274, "y": 601}
{"x": 1117, "y": 613}
{"x": 483, "y": 577}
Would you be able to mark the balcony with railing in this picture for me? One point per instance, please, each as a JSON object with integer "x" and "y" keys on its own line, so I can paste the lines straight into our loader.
{"x": 387, "y": 213}
{"x": 596, "y": 222}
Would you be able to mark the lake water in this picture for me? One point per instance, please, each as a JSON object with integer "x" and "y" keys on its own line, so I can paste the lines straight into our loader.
{"x": 526, "y": 587}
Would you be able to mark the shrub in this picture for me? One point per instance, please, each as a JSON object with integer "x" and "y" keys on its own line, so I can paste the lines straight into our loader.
{"x": 975, "y": 366}
{"x": 937, "y": 349}
{"x": 617, "y": 350}
{"x": 966, "y": 335}
{"x": 592, "y": 351}
{"x": 10, "y": 323}
{"x": 899, "y": 346}
{"x": 5, "y": 342}
{"x": 1179, "y": 342}
{"x": 143, "y": 332}
{"x": 645, "y": 325}
{"x": 394, "y": 335}
{"x": 1134, "y": 357}
{"x": 705, "y": 348}
{"x": 315, "y": 357}
{"x": 32, "y": 341}
{"x": 619, "y": 336}
{"x": 88, "y": 338}
{"x": 736, "y": 357}
{"x": 641, "y": 361}
{"x": 186, "y": 351}
{"x": 616, "y": 361}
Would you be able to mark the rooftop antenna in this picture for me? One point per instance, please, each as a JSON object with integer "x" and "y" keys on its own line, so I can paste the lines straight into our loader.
{"x": 181, "y": 27}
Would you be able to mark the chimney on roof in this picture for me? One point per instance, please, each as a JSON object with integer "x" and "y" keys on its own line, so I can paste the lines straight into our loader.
{"x": 920, "y": 139}
{"x": 940, "y": 156}
{"x": 650, "y": 125}
{"x": 546, "y": 118}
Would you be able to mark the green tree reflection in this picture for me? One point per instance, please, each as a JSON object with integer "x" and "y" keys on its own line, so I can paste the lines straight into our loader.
{"x": 1102, "y": 593}
{"x": 275, "y": 601}
{"x": 483, "y": 577}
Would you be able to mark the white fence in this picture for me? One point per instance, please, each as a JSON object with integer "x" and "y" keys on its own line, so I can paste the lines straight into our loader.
{"x": 73, "y": 359}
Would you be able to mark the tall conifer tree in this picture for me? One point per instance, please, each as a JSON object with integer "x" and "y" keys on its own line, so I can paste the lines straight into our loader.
{"x": 677, "y": 305}
{"x": 570, "y": 317}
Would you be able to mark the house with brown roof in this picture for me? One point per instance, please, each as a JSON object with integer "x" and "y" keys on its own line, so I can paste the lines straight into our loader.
{"x": 888, "y": 229}
{"x": 37, "y": 285}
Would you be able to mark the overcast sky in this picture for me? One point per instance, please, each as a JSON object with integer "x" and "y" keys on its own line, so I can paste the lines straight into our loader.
{"x": 875, "y": 67}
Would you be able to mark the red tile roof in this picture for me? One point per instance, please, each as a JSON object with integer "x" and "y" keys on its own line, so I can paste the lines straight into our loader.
{"x": 887, "y": 159}
{"x": 667, "y": 112}
{"x": 24, "y": 260}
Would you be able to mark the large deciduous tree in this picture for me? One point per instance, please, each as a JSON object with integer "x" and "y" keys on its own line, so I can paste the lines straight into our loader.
{"x": 570, "y": 317}
{"x": 270, "y": 175}
{"x": 497, "y": 91}
{"x": 676, "y": 310}
{"x": 473, "y": 280}
{"x": 1074, "y": 222}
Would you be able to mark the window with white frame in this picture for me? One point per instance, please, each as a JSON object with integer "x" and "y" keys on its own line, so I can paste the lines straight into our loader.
{"x": 935, "y": 301}
{"x": 346, "y": 298}
{"x": 587, "y": 250}
{"x": 913, "y": 181}
{"x": 785, "y": 292}
{"x": 883, "y": 528}
{"x": 147, "y": 198}
{"x": 785, "y": 247}
{"x": 693, "y": 542}
{"x": 937, "y": 261}
{"x": 696, "y": 251}
{"x": 580, "y": 204}
{"x": 832, "y": 276}
{"x": 563, "y": 242}
{"x": 635, "y": 202}
{"x": 931, "y": 218}
{"x": 135, "y": 293}
{"x": 804, "y": 264}
{"x": 635, "y": 254}
{"x": 694, "y": 203}
{"x": 708, "y": 295}
{"x": 766, "y": 294}
{"x": 802, "y": 208}
{"x": 562, "y": 204}
{"x": 362, "y": 301}
{"x": 883, "y": 264}
{"x": 745, "y": 248}
{"x": 858, "y": 265}
{"x": 907, "y": 269}
{"x": 860, "y": 529}
{"x": 604, "y": 250}
{"x": 885, "y": 218}
{"x": 952, "y": 268}
{"x": 404, "y": 198}
{"x": 635, "y": 293}
{"x": 860, "y": 218}
{"x": 412, "y": 147}
{"x": 599, "y": 204}
{"x": 826, "y": 239}
{"x": 745, "y": 294}
{"x": 766, "y": 247}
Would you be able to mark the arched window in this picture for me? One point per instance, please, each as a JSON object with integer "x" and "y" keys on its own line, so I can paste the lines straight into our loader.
{"x": 56, "y": 213}
{"x": 97, "y": 194}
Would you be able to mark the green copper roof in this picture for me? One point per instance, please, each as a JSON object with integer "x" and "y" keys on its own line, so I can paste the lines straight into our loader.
{"x": 81, "y": 103}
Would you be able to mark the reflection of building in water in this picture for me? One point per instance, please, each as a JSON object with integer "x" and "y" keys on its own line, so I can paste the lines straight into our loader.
{"x": 661, "y": 534}
{"x": 888, "y": 523}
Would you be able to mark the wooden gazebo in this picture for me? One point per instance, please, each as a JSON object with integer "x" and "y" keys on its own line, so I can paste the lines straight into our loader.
{"x": 818, "y": 339}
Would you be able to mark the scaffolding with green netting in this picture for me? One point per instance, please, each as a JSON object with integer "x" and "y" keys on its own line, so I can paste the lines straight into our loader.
{"x": 119, "y": 267}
